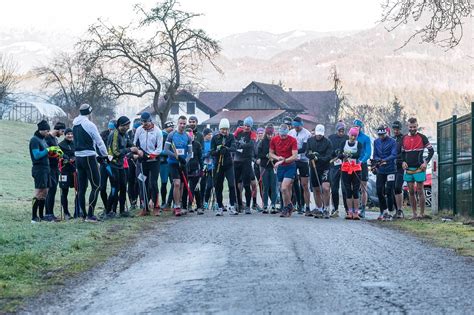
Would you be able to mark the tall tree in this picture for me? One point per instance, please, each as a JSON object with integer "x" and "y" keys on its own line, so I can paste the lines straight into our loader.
{"x": 74, "y": 81}
{"x": 8, "y": 81}
{"x": 340, "y": 100}
{"x": 139, "y": 65}
{"x": 445, "y": 19}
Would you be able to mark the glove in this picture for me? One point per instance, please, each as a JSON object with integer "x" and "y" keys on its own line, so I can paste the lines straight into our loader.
{"x": 55, "y": 151}
{"x": 311, "y": 156}
{"x": 242, "y": 141}
{"x": 223, "y": 149}
{"x": 152, "y": 156}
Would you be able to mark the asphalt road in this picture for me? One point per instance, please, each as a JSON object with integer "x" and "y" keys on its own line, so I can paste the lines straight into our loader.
{"x": 266, "y": 264}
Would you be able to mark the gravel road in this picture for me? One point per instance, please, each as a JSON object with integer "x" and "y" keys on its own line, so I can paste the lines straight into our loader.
{"x": 266, "y": 264}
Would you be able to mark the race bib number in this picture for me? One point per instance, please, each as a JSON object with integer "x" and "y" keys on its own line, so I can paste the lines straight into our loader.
{"x": 180, "y": 151}
{"x": 337, "y": 162}
{"x": 63, "y": 178}
{"x": 391, "y": 178}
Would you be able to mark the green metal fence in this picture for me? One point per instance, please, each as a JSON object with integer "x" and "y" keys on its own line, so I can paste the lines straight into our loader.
{"x": 455, "y": 142}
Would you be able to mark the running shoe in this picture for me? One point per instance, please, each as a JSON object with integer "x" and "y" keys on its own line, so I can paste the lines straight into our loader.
{"x": 248, "y": 210}
{"x": 362, "y": 212}
{"x": 177, "y": 212}
{"x": 219, "y": 212}
{"x": 200, "y": 211}
{"x": 232, "y": 211}
{"x": 125, "y": 214}
{"x": 348, "y": 215}
{"x": 326, "y": 214}
{"x": 206, "y": 206}
{"x": 400, "y": 214}
{"x": 355, "y": 215}
{"x": 284, "y": 212}
{"x": 308, "y": 213}
{"x": 91, "y": 219}
{"x": 143, "y": 213}
{"x": 334, "y": 212}
{"x": 35, "y": 220}
{"x": 265, "y": 210}
{"x": 157, "y": 212}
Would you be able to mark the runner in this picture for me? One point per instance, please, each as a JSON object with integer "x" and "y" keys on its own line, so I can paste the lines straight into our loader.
{"x": 194, "y": 169}
{"x": 256, "y": 170}
{"x": 104, "y": 174}
{"x": 192, "y": 123}
{"x": 245, "y": 142}
{"x": 351, "y": 169}
{"x": 52, "y": 141}
{"x": 68, "y": 177}
{"x": 149, "y": 140}
{"x": 319, "y": 151}
{"x": 385, "y": 155}
{"x": 164, "y": 168}
{"x": 206, "y": 180}
{"x": 118, "y": 149}
{"x": 284, "y": 149}
{"x": 222, "y": 145}
{"x": 179, "y": 148}
{"x": 413, "y": 147}
{"x": 398, "y": 136}
{"x": 267, "y": 177}
{"x": 40, "y": 170}
{"x": 337, "y": 140}
{"x": 86, "y": 140}
{"x": 302, "y": 135}
{"x": 132, "y": 183}
{"x": 364, "y": 157}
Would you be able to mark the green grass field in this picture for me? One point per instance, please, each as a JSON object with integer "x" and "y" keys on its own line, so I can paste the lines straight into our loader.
{"x": 35, "y": 257}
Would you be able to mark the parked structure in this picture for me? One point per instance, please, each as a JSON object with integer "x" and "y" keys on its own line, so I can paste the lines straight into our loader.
{"x": 32, "y": 109}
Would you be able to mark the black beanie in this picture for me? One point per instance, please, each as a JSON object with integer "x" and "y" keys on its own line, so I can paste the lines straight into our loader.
{"x": 43, "y": 125}
{"x": 59, "y": 125}
{"x": 68, "y": 130}
{"x": 123, "y": 120}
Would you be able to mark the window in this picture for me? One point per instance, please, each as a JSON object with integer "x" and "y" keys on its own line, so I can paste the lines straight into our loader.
{"x": 174, "y": 109}
{"x": 190, "y": 108}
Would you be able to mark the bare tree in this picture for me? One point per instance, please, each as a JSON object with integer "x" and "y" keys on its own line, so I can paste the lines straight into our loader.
{"x": 73, "y": 81}
{"x": 8, "y": 81}
{"x": 340, "y": 100}
{"x": 445, "y": 19}
{"x": 137, "y": 66}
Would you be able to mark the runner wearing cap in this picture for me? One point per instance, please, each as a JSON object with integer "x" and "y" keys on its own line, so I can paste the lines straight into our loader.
{"x": 86, "y": 140}
{"x": 149, "y": 140}
{"x": 398, "y": 136}
{"x": 384, "y": 162}
{"x": 284, "y": 150}
{"x": 319, "y": 151}
{"x": 337, "y": 140}
{"x": 301, "y": 189}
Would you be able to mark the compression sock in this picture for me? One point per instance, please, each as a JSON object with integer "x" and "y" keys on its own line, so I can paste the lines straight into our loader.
{"x": 41, "y": 204}
{"x": 34, "y": 208}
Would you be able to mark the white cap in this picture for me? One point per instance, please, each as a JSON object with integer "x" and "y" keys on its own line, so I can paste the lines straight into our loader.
{"x": 319, "y": 130}
{"x": 224, "y": 123}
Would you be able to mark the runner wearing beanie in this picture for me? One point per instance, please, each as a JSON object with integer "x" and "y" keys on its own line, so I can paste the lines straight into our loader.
{"x": 385, "y": 155}
{"x": 284, "y": 150}
{"x": 104, "y": 174}
{"x": 40, "y": 171}
{"x": 301, "y": 135}
{"x": 398, "y": 136}
{"x": 149, "y": 140}
{"x": 179, "y": 148}
{"x": 206, "y": 181}
{"x": 132, "y": 182}
{"x": 164, "y": 168}
{"x": 245, "y": 139}
{"x": 267, "y": 178}
{"x": 192, "y": 123}
{"x": 319, "y": 151}
{"x": 119, "y": 147}
{"x": 364, "y": 157}
{"x": 337, "y": 140}
{"x": 194, "y": 169}
{"x": 222, "y": 146}
{"x": 68, "y": 177}
{"x": 52, "y": 141}
{"x": 86, "y": 140}
{"x": 350, "y": 153}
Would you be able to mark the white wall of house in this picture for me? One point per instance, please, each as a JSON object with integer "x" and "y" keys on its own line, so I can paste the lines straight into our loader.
{"x": 183, "y": 110}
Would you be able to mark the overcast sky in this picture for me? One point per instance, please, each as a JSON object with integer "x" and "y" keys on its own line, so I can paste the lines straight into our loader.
{"x": 222, "y": 17}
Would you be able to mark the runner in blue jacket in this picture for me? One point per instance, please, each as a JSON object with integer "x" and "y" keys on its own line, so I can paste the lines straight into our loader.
{"x": 365, "y": 156}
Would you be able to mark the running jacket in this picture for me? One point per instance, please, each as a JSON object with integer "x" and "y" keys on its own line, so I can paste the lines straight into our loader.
{"x": 413, "y": 148}
{"x": 178, "y": 144}
{"x": 323, "y": 148}
{"x": 118, "y": 147}
{"x": 245, "y": 143}
{"x": 206, "y": 155}
{"x": 87, "y": 137}
{"x": 301, "y": 137}
{"x": 366, "y": 147}
{"x": 150, "y": 141}
{"x": 38, "y": 151}
{"x": 227, "y": 141}
{"x": 68, "y": 157}
{"x": 263, "y": 152}
{"x": 386, "y": 150}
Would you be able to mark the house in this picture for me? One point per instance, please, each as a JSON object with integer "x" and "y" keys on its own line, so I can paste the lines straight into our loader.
{"x": 186, "y": 104}
{"x": 217, "y": 100}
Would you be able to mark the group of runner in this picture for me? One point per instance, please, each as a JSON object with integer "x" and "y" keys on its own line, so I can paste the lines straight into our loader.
{"x": 283, "y": 164}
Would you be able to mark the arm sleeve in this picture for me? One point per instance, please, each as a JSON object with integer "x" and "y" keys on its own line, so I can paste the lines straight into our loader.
{"x": 428, "y": 146}
{"x": 35, "y": 150}
{"x": 367, "y": 151}
{"x": 159, "y": 142}
{"x": 94, "y": 133}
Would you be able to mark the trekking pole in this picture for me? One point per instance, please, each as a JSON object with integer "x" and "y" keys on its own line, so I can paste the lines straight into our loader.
{"x": 313, "y": 164}
{"x": 60, "y": 188}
